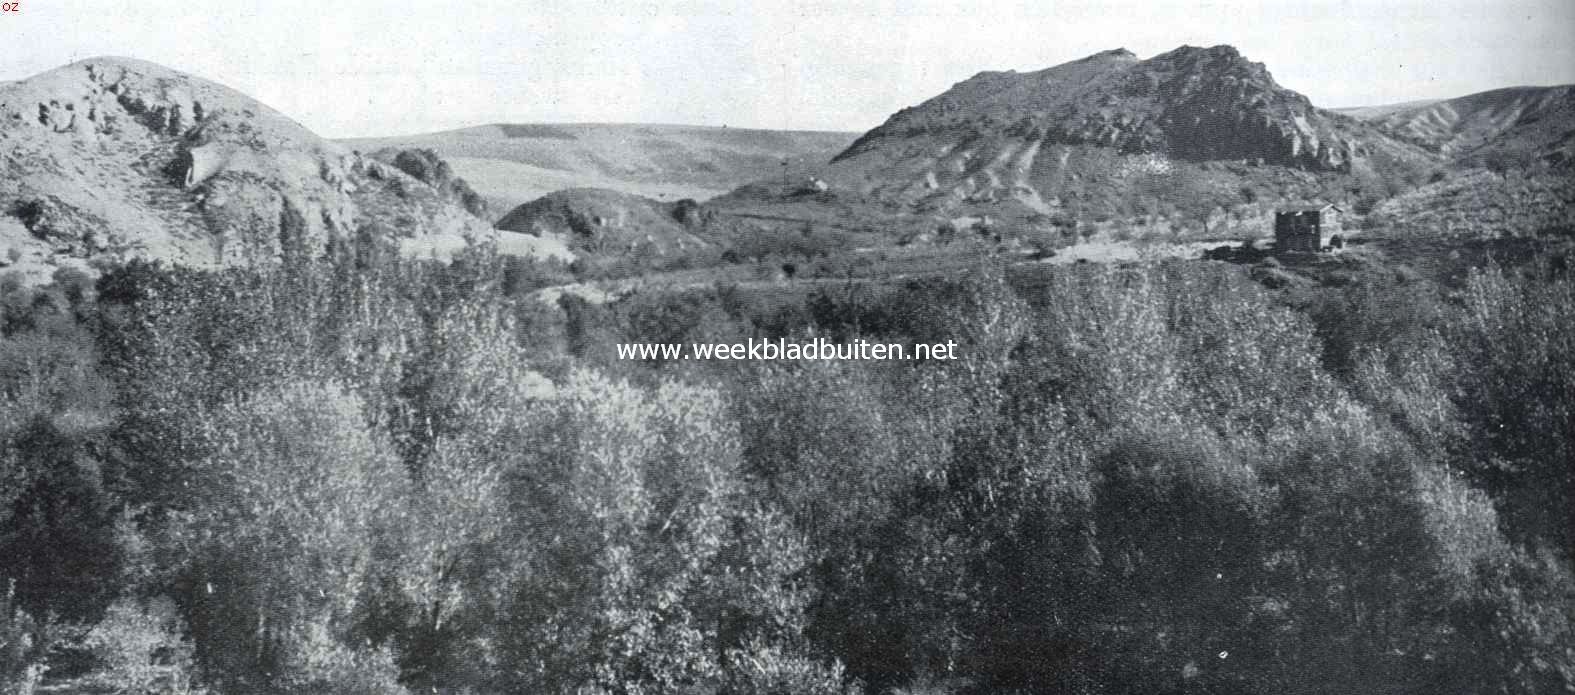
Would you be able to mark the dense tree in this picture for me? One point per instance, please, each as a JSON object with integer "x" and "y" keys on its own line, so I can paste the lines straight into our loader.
{"x": 362, "y": 474}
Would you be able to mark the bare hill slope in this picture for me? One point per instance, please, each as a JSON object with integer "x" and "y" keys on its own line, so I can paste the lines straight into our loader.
{"x": 112, "y": 158}
{"x": 1526, "y": 123}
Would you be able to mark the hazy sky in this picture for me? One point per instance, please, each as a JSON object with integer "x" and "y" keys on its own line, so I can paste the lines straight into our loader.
{"x": 374, "y": 67}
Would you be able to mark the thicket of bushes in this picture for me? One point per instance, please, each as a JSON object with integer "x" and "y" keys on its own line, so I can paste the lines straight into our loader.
{"x": 330, "y": 478}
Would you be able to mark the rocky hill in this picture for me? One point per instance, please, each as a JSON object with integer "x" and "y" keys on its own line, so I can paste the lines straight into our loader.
{"x": 510, "y": 164}
{"x": 111, "y": 158}
{"x": 1187, "y": 133}
{"x": 604, "y": 223}
{"x": 1520, "y": 125}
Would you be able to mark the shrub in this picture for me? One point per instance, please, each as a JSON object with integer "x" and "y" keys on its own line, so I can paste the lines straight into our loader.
{"x": 620, "y": 509}
{"x": 57, "y": 527}
{"x": 23, "y": 644}
{"x": 139, "y": 648}
{"x": 293, "y": 558}
{"x": 1515, "y": 343}
{"x": 1517, "y": 626}
{"x": 325, "y": 665}
{"x": 477, "y": 403}
{"x": 762, "y": 669}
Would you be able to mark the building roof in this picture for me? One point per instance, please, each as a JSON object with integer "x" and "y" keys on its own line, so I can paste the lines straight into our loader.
{"x": 1309, "y": 207}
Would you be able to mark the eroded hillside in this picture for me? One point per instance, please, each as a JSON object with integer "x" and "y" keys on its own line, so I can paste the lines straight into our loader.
{"x": 1499, "y": 128}
{"x": 110, "y": 159}
{"x": 1184, "y": 134}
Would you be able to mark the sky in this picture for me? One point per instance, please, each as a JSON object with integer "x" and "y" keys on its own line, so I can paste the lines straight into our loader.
{"x": 348, "y": 68}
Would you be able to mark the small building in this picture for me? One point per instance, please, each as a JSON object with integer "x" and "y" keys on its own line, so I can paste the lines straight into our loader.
{"x": 1306, "y": 228}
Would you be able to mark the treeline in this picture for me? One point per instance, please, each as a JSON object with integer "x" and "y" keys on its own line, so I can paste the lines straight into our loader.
{"x": 382, "y": 477}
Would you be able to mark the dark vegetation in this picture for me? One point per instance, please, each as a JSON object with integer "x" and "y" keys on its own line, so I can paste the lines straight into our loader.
{"x": 343, "y": 477}
{"x": 426, "y": 166}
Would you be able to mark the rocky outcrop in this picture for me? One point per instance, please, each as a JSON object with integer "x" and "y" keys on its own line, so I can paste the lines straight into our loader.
{"x": 1191, "y": 103}
{"x": 426, "y": 166}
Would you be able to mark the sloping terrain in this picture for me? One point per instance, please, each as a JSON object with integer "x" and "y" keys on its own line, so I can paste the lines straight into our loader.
{"x": 510, "y": 164}
{"x": 1523, "y": 124}
{"x": 111, "y": 158}
{"x": 1514, "y": 150}
{"x": 1482, "y": 204}
{"x": 1183, "y": 134}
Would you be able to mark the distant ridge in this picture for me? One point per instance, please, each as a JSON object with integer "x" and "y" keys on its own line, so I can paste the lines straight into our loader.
{"x": 513, "y": 163}
{"x": 1528, "y": 123}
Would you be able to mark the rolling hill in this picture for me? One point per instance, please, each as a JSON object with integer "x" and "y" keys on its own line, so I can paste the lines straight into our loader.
{"x": 510, "y": 164}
